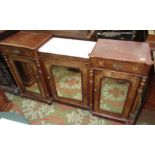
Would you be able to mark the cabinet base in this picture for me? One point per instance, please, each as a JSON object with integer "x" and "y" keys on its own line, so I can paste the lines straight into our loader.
{"x": 40, "y": 99}
{"x": 84, "y": 107}
{"x": 15, "y": 91}
{"x": 113, "y": 118}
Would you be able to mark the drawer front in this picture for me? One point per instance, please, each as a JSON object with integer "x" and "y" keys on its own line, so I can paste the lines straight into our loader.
{"x": 117, "y": 65}
{"x": 16, "y": 51}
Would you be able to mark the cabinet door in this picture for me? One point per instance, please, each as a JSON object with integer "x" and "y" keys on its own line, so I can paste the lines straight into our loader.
{"x": 114, "y": 93}
{"x": 68, "y": 81}
{"x": 27, "y": 76}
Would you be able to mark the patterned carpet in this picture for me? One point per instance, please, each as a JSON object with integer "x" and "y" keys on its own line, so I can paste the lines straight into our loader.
{"x": 38, "y": 113}
{"x": 68, "y": 84}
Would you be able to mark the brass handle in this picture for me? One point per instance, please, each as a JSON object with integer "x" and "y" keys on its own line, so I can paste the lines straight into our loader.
{"x": 121, "y": 81}
{"x": 117, "y": 67}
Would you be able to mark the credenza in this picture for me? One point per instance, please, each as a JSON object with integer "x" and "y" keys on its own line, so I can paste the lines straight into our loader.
{"x": 106, "y": 77}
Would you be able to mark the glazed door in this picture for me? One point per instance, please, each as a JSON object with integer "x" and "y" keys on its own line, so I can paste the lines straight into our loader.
{"x": 27, "y": 76}
{"x": 68, "y": 81}
{"x": 114, "y": 93}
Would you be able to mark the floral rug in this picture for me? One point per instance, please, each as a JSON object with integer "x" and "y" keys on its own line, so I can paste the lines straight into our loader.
{"x": 39, "y": 113}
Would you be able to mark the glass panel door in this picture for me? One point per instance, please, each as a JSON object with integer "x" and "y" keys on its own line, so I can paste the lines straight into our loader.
{"x": 68, "y": 82}
{"x": 113, "y": 94}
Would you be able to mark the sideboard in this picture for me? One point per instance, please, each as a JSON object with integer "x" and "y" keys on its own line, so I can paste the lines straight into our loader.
{"x": 106, "y": 77}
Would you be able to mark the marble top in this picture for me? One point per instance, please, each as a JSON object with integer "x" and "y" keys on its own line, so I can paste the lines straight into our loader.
{"x": 68, "y": 47}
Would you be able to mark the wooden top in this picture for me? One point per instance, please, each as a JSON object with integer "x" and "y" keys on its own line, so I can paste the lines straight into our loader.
{"x": 123, "y": 51}
{"x": 28, "y": 40}
{"x": 6, "y": 33}
{"x": 68, "y": 47}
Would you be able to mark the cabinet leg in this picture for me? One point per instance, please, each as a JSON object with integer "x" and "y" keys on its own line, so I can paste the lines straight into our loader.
{"x": 130, "y": 122}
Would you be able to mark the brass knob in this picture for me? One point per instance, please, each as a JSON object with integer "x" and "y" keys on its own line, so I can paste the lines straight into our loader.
{"x": 95, "y": 90}
{"x": 37, "y": 77}
{"x": 117, "y": 67}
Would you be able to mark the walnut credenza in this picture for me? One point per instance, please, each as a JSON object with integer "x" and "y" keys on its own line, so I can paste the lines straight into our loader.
{"x": 106, "y": 77}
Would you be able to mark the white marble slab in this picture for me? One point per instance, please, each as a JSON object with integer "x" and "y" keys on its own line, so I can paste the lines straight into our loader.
{"x": 68, "y": 47}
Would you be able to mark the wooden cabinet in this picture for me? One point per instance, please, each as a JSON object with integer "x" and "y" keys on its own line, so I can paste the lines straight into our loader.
{"x": 107, "y": 77}
{"x": 67, "y": 69}
{"x": 68, "y": 79}
{"x": 20, "y": 52}
{"x": 35, "y": 88}
{"x": 118, "y": 75}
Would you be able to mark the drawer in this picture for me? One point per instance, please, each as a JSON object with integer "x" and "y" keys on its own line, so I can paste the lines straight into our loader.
{"x": 117, "y": 65}
{"x": 18, "y": 51}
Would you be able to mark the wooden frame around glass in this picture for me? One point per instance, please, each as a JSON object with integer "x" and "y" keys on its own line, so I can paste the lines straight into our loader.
{"x": 134, "y": 82}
